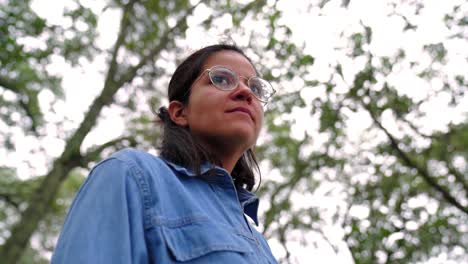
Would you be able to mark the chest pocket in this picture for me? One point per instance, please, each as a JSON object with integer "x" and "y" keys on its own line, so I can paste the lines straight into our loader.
{"x": 207, "y": 241}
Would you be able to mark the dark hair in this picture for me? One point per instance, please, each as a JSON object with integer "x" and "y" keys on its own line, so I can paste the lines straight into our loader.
{"x": 177, "y": 143}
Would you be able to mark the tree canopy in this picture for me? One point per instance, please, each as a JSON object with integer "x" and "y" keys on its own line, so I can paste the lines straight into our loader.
{"x": 365, "y": 147}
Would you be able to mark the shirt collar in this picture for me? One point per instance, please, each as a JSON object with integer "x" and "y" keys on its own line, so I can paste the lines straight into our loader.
{"x": 248, "y": 200}
{"x": 205, "y": 168}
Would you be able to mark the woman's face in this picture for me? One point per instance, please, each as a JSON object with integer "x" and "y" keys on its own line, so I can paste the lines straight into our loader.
{"x": 221, "y": 118}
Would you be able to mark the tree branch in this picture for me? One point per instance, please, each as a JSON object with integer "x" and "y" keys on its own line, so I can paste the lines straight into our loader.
{"x": 70, "y": 158}
{"x": 334, "y": 248}
{"x": 107, "y": 94}
{"x": 29, "y": 105}
{"x": 94, "y": 154}
{"x": 10, "y": 85}
{"x": 446, "y": 137}
{"x": 410, "y": 163}
{"x": 283, "y": 241}
{"x": 415, "y": 129}
{"x": 8, "y": 198}
{"x": 131, "y": 73}
{"x": 39, "y": 201}
{"x": 458, "y": 176}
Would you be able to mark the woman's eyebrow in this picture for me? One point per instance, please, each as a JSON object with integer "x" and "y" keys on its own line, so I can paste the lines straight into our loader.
{"x": 247, "y": 76}
{"x": 241, "y": 75}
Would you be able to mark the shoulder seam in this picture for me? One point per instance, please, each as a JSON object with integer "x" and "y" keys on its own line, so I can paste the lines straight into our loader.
{"x": 145, "y": 192}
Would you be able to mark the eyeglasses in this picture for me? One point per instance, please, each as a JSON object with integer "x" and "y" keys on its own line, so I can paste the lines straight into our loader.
{"x": 226, "y": 80}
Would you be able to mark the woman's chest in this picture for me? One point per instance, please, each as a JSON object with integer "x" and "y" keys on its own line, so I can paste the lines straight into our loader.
{"x": 205, "y": 224}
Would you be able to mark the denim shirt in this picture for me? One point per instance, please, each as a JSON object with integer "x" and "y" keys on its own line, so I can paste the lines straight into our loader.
{"x": 137, "y": 208}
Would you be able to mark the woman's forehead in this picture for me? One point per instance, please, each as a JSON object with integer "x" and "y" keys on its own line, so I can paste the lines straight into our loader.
{"x": 232, "y": 60}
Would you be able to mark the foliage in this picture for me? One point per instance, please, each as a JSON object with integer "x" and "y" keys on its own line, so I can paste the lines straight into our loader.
{"x": 403, "y": 186}
{"x": 347, "y": 146}
{"x": 14, "y": 196}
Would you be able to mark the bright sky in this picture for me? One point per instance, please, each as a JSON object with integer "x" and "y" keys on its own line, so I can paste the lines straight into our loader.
{"x": 320, "y": 29}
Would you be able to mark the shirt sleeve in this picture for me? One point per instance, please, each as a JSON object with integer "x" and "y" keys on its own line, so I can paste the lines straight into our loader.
{"x": 105, "y": 223}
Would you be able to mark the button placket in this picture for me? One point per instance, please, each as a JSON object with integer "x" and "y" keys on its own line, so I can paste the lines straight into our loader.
{"x": 231, "y": 187}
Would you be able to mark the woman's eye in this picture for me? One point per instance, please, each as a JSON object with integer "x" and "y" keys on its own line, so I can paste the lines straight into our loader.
{"x": 223, "y": 80}
{"x": 219, "y": 79}
{"x": 257, "y": 88}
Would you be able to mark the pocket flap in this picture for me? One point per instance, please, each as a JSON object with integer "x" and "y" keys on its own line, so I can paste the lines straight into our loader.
{"x": 203, "y": 237}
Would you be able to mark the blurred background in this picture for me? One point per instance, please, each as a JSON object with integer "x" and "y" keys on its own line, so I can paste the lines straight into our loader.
{"x": 364, "y": 148}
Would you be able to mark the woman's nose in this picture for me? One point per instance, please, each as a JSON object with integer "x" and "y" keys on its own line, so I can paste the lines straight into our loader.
{"x": 243, "y": 92}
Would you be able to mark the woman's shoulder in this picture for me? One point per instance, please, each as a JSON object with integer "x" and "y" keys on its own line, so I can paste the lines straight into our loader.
{"x": 148, "y": 171}
{"x": 138, "y": 159}
{"x": 130, "y": 154}
{"x": 132, "y": 161}
{"x": 142, "y": 163}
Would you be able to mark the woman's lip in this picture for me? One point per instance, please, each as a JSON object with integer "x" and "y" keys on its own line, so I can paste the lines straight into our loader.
{"x": 241, "y": 109}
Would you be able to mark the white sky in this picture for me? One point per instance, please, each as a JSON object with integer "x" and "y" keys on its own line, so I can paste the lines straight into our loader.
{"x": 320, "y": 29}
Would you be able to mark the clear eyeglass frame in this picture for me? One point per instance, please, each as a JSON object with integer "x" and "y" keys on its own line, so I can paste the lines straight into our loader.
{"x": 267, "y": 89}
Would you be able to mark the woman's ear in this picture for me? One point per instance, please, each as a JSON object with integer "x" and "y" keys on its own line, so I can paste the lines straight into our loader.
{"x": 177, "y": 112}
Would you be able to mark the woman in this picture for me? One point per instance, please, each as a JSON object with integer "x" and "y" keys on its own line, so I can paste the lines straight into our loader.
{"x": 187, "y": 205}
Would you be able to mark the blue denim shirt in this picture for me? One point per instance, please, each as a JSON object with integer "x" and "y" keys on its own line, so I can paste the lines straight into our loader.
{"x": 137, "y": 208}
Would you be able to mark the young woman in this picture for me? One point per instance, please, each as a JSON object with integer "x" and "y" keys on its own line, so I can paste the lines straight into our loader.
{"x": 192, "y": 203}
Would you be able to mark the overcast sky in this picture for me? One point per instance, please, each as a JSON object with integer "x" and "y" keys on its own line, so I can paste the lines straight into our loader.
{"x": 320, "y": 29}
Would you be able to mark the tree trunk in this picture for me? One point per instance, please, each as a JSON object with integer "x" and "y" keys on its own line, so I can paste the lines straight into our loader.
{"x": 40, "y": 200}
{"x": 38, "y": 203}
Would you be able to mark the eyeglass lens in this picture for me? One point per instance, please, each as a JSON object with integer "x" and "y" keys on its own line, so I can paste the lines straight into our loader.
{"x": 225, "y": 79}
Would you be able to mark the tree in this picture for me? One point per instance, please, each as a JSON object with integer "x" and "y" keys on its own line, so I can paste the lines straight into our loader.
{"x": 399, "y": 185}
{"x": 367, "y": 176}
{"x": 148, "y": 30}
